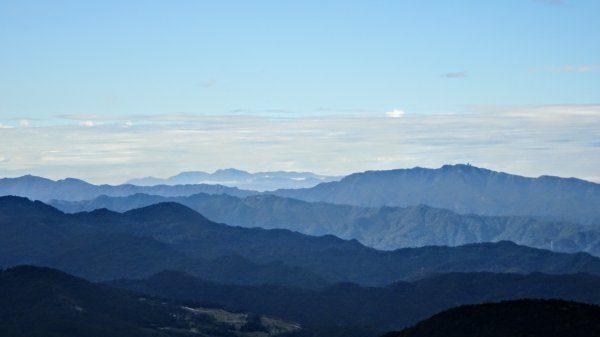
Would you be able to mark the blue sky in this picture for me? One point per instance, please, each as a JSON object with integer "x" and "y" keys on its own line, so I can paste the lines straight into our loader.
{"x": 86, "y": 87}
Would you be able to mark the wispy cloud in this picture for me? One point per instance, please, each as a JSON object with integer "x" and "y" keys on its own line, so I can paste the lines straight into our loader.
{"x": 569, "y": 68}
{"x": 207, "y": 83}
{"x": 581, "y": 68}
{"x": 456, "y": 74}
{"x": 88, "y": 117}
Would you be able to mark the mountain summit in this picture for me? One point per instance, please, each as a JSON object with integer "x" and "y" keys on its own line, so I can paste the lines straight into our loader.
{"x": 259, "y": 181}
{"x": 463, "y": 189}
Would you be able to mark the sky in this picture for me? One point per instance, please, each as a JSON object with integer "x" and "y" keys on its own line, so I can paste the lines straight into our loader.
{"x": 111, "y": 90}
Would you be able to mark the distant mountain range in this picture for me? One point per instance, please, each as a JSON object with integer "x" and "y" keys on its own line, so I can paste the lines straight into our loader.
{"x": 519, "y": 318}
{"x": 41, "y": 302}
{"x": 295, "y": 254}
{"x": 384, "y": 228}
{"x": 37, "y": 188}
{"x": 259, "y": 181}
{"x": 103, "y": 244}
{"x": 464, "y": 189}
{"x": 392, "y": 307}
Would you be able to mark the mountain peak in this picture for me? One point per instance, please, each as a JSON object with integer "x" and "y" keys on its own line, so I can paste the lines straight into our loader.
{"x": 39, "y": 273}
{"x": 30, "y": 178}
{"x": 466, "y": 166}
{"x": 73, "y": 180}
{"x": 464, "y": 189}
{"x": 167, "y": 206}
{"x": 11, "y": 204}
{"x": 167, "y": 210}
{"x": 231, "y": 173}
{"x": 230, "y": 170}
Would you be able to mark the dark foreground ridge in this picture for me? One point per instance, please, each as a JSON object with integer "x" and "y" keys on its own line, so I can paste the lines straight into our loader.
{"x": 385, "y": 308}
{"x": 41, "y": 302}
{"x": 522, "y": 318}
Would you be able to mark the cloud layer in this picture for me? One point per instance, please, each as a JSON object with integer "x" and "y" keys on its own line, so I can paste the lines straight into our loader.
{"x": 556, "y": 140}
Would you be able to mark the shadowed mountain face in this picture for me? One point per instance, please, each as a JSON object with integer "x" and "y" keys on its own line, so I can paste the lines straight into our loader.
{"x": 40, "y": 302}
{"x": 99, "y": 245}
{"x": 463, "y": 189}
{"x": 381, "y": 228}
{"x": 38, "y": 188}
{"x": 40, "y": 234}
{"x": 522, "y": 318}
{"x": 259, "y": 181}
{"x": 393, "y": 307}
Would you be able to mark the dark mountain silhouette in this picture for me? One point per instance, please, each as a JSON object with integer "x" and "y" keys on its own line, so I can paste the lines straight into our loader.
{"x": 259, "y": 181}
{"x": 463, "y": 189}
{"x": 340, "y": 260}
{"x": 98, "y": 246}
{"x": 43, "y": 189}
{"x": 380, "y": 227}
{"x": 521, "y": 318}
{"x": 391, "y": 307}
{"x": 175, "y": 230}
{"x": 40, "y": 302}
{"x": 180, "y": 229}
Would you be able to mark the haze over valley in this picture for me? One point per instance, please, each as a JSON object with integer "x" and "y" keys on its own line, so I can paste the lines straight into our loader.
{"x": 299, "y": 168}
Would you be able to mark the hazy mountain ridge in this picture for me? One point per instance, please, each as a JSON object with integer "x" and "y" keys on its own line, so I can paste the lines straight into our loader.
{"x": 259, "y": 181}
{"x": 28, "y": 239}
{"x": 384, "y": 228}
{"x": 37, "y": 188}
{"x": 464, "y": 189}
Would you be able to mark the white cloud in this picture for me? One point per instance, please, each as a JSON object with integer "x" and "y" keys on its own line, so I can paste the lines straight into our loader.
{"x": 24, "y": 122}
{"x": 2, "y": 126}
{"x": 586, "y": 68}
{"x": 396, "y": 113}
{"x": 89, "y": 123}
